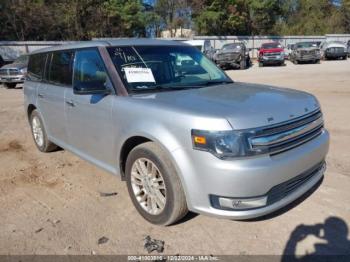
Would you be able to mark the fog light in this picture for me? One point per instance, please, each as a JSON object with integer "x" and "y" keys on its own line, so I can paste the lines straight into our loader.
{"x": 242, "y": 203}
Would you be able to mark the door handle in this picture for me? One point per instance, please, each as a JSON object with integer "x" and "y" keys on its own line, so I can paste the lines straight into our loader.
{"x": 40, "y": 95}
{"x": 70, "y": 103}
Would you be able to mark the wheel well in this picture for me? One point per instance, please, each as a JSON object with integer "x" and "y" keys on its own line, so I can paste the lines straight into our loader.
{"x": 129, "y": 145}
{"x": 31, "y": 108}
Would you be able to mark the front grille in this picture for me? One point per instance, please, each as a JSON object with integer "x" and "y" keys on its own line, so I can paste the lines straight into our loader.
{"x": 286, "y": 188}
{"x": 272, "y": 54}
{"x": 280, "y": 138}
{"x": 9, "y": 72}
{"x": 228, "y": 56}
{"x": 307, "y": 52}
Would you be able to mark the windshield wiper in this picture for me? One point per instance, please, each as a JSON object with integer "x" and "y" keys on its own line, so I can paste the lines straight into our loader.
{"x": 159, "y": 88}
{"x": 179, "y": 87}
{"x": 217, "y": 82}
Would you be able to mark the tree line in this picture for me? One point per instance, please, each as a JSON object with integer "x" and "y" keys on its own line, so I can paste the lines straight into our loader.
{"x": 86, "y": 19}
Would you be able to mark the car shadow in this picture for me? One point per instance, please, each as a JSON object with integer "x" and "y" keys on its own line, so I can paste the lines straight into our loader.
{"x": 334, "y": 245}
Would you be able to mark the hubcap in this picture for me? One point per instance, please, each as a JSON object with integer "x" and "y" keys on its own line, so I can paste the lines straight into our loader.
{"x": 37, "y": 131}
{"x": 148, "y": 186}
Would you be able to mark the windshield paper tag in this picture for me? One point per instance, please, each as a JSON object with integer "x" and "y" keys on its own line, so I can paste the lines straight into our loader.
{"x": 138, "y": 75}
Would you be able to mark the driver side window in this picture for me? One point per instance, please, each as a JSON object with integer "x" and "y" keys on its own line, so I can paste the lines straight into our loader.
{"x": 89, "y": 69}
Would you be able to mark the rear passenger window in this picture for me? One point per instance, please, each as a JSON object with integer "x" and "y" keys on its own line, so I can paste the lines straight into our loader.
{"x": 60, "y": 68}
{"x": 89, "y": 69}
{"x": 36, "y": 67}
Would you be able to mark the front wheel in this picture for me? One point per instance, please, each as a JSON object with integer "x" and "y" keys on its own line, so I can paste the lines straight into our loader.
{"x": 154, "y": 186}
{"x": 242, "y": 64}
{"x": 39, "y": 133}
{"x": 10, "y": 85}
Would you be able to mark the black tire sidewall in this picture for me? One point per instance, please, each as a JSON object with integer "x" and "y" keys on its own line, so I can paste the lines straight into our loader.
{"x": 165, "y": 215}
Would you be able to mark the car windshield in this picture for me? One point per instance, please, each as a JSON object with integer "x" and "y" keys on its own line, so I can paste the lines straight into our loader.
{"x": 271, "y": 45}
{"x": 144, "y": 68}
{"x": 306, "y": 45}
{"x": 231, "y": 46}
{"x": 23, "y": 59}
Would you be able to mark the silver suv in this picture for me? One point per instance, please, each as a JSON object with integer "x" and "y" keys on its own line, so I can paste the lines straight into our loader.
{"x": 181, "y": 133}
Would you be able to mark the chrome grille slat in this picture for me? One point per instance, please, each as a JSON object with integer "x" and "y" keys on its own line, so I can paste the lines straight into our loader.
{"x": 278, "y": 139}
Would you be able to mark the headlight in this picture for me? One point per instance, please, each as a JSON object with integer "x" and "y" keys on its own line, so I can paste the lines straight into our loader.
{"x": 23, "y": 70}
{"x": 282, "y": 53}
{"x": 224, "y": 144}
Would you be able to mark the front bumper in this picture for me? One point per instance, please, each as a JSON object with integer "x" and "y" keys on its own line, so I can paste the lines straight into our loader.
{"x": 203, "y": 176}
{"x": 306, "y": 58}
{"x": 271, "y": 59}
{"x": 232, "y": 63}
{"x": 12, "y": 78}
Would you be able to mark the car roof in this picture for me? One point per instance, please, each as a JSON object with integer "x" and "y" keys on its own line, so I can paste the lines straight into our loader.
{"x": 111, "y": 42}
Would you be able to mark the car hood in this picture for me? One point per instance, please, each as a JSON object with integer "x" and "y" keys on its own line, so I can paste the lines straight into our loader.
{"x": 308, "y": 48}
{"x": 243, "y": 105}
{"x": 14, "y": 66}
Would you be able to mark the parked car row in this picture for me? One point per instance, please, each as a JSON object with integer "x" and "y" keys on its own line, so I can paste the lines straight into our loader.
{"x": 236, "y": 55}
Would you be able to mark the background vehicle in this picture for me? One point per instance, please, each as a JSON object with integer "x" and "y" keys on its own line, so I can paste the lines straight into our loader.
{"x": 182, "y": 134}
{"x": 305, "y": 52}
{"x": 349, "y": 48}
{"x": 271, "y": 54}
{"x": 288, "y": 50}
{"x": 203, "y": 45}
{"x": 211, "y": 54}
{"x": 333, "y": 50}
{"x": 234, "y": 55}
{"x": 13, "y": 74}
{"x": 2, "y": 62}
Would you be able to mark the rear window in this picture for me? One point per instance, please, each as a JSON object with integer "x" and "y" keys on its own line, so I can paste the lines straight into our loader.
{"x": 36, "y": 67}
{"x": 60, "y": 68}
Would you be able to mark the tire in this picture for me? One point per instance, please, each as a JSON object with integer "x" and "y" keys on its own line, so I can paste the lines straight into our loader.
{"x": 44, "y": 145}
{"x": 345, "y": 58}
{"x": 148, "y": 155}
{"x": 10, "y": 85}
{"x": 242, "y": 64}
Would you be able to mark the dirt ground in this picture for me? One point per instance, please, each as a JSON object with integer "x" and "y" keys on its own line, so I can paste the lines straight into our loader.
{"x": 51, "y": 203}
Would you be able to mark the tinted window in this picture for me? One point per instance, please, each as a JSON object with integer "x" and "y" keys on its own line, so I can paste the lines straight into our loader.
{"x": 60, "y": 69}
{"x": 89, "y": 69}
{"x": 36, "y": 66}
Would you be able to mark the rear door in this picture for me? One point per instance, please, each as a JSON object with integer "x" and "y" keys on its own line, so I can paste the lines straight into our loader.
{"x": 89, "y": 116}
{"x": 57, "y": 78}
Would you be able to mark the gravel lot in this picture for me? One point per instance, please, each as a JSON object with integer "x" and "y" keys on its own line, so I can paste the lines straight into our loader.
{"x": 51, "y": 203}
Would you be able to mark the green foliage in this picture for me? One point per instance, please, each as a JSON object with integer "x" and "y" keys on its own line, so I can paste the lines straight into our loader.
{"x": 86, "y": 19}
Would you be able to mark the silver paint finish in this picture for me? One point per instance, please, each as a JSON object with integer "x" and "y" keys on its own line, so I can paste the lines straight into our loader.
{"x": 97, "y": 127}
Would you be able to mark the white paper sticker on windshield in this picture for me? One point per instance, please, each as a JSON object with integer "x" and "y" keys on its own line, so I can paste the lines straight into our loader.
{"x": 139, "y": 75}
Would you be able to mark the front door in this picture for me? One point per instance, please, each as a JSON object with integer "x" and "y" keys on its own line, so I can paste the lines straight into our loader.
{"x": 89, "y": 116}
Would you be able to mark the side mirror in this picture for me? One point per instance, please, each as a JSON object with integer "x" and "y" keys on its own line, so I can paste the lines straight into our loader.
{"x": 90, "y": 88}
